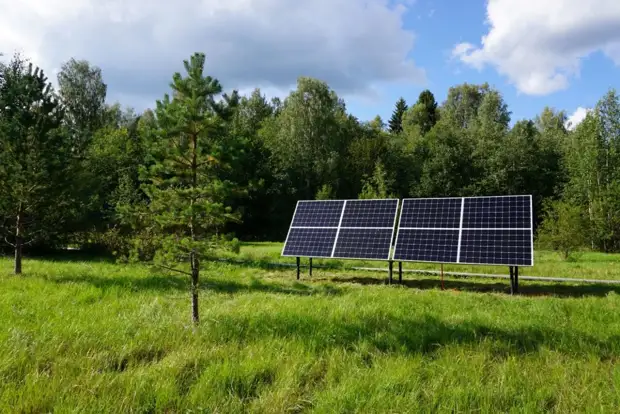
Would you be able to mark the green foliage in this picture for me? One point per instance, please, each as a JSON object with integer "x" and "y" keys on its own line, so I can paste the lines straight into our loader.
{"x": 424, "y": 114}
{"x": 563, "y": 228}
{"x": 325, "y": 193}
{"x": 82, "y": 93}
{"x": 396, "y": 121}
{"x": 378, "y": 185}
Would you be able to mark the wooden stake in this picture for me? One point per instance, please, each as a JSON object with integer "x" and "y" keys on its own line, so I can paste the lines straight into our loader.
{"x": 442, "y": 287}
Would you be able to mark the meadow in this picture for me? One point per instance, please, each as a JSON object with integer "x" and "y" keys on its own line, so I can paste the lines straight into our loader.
{"x": 90, "y": 335}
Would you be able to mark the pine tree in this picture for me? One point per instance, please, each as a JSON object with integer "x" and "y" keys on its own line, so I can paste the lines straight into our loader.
{"x": 34, "y": 158}
{"x": 396, "y": 121}
{"x": 186, "y": 208}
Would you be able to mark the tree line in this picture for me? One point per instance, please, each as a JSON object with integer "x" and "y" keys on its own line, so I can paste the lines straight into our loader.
{"x": 204, "y": 168}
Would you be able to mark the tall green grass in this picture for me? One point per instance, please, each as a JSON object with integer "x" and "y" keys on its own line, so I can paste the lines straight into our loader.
{"x": 101, "y": 337}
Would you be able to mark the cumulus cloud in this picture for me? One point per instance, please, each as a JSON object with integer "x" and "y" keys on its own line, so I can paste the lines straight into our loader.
{"x": 538, "y": 45}
{"x": 576, "y": 118}
{"x": 352, "y": 45}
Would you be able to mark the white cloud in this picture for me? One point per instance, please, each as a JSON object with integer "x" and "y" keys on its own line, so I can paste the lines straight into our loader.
{"x": 139, "y": 44}
{"x": 576, "y": 118}
{"x": 538, "y": 45}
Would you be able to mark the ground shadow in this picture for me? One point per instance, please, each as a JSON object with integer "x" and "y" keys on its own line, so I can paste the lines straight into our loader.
{"x": 162, "y": 282}
{"x": 526, "y": 288}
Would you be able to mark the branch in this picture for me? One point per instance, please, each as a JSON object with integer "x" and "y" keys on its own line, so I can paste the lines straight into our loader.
{"x": 8, "y": 242}
{"x": 174, "y": 270}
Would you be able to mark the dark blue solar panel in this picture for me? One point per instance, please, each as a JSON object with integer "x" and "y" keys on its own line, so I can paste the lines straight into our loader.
{"x": 431, "y": 213}
{"x": 369, "y": 213}
{"x": 438, "y": 246}
{"x": 310, "y": 242}
{"x": 364, "y": 243}
{"x": 497, "y": 247}
{"x": 324, "y": 213}
{"x": 497, "y": 212}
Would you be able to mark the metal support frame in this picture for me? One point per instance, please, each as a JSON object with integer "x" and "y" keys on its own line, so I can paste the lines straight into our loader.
{"x": 298, "y": 260}
{"x": 390, "y": 268}
{"x": 400, "y": 272}
{"x": 310, "y": 266}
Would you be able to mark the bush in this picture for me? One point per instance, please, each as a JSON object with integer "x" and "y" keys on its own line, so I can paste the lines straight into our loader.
{"x": 564, "y": 228}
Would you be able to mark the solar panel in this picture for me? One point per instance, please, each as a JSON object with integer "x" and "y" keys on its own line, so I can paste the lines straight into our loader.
{"x": 470, "y": 230}
{"x": 347, "y": 229}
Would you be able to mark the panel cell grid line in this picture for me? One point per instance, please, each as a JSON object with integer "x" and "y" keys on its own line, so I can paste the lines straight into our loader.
{"x": 436, "y": 246}
{"x": 308, "y": 242}
{"x": 504, "y": 212}
{"x": 369, "y": 213}
{"x": 364, "y": 243}
{"x": 323, "y": 213}
{"x": 431, "y": 213}
{"x": 496, "y": 247}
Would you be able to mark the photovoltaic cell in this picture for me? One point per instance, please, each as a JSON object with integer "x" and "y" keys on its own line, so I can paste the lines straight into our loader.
{"x": 324, "y": 213}
{"x": 310, "y": 242}
{"x": 438, "y": 246}
{"x": 506, "y": 247}
{"x": 431, "y": 213}
{"x": 472, "y": 230}
{"x": 507, "y": 212}
{"x": 364, "y": 243}
{"x": 369, "y": 213}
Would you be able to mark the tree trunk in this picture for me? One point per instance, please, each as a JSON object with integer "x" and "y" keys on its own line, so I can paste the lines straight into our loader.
{"x": 18, "y": 243}
{"x": 193, "y": 258}
{"x": 195, "y": 276}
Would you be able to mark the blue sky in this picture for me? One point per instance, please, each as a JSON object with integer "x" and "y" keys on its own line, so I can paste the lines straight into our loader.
{"x": 559, "y": 53}
{"x": 439, "y": 25}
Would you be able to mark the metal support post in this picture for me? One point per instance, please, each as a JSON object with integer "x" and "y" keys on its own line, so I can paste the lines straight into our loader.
{"x": 512, "y": 280}
{"x": 298, "y": 268}
{"x": 516, "y": 279}
{"x": 310, "y": 265}
{"x": 390, "y": 272}
{"x": 400, "y": 272}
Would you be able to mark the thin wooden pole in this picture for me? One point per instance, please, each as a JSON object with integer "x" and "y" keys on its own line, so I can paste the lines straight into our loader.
{"x": 442, "y": 286}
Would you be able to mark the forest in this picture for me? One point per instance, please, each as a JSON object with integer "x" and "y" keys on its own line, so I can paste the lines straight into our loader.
{"x": 206, "y": 167}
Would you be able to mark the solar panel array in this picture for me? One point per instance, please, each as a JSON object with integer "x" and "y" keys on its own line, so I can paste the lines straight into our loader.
{"x": 346, "y": 229}
{"x": 468, "y": 230}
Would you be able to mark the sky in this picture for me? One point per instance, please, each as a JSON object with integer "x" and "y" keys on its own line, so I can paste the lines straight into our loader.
{"x": 559, "y": 53}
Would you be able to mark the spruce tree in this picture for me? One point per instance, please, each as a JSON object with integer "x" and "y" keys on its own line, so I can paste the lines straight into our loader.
{"x": 396, "y": 121}
{"x": 187, "y": 198}
{"x": 424, "y": 113}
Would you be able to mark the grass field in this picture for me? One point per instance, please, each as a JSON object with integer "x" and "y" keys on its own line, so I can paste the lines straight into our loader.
{"x": 94, "y": 336}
